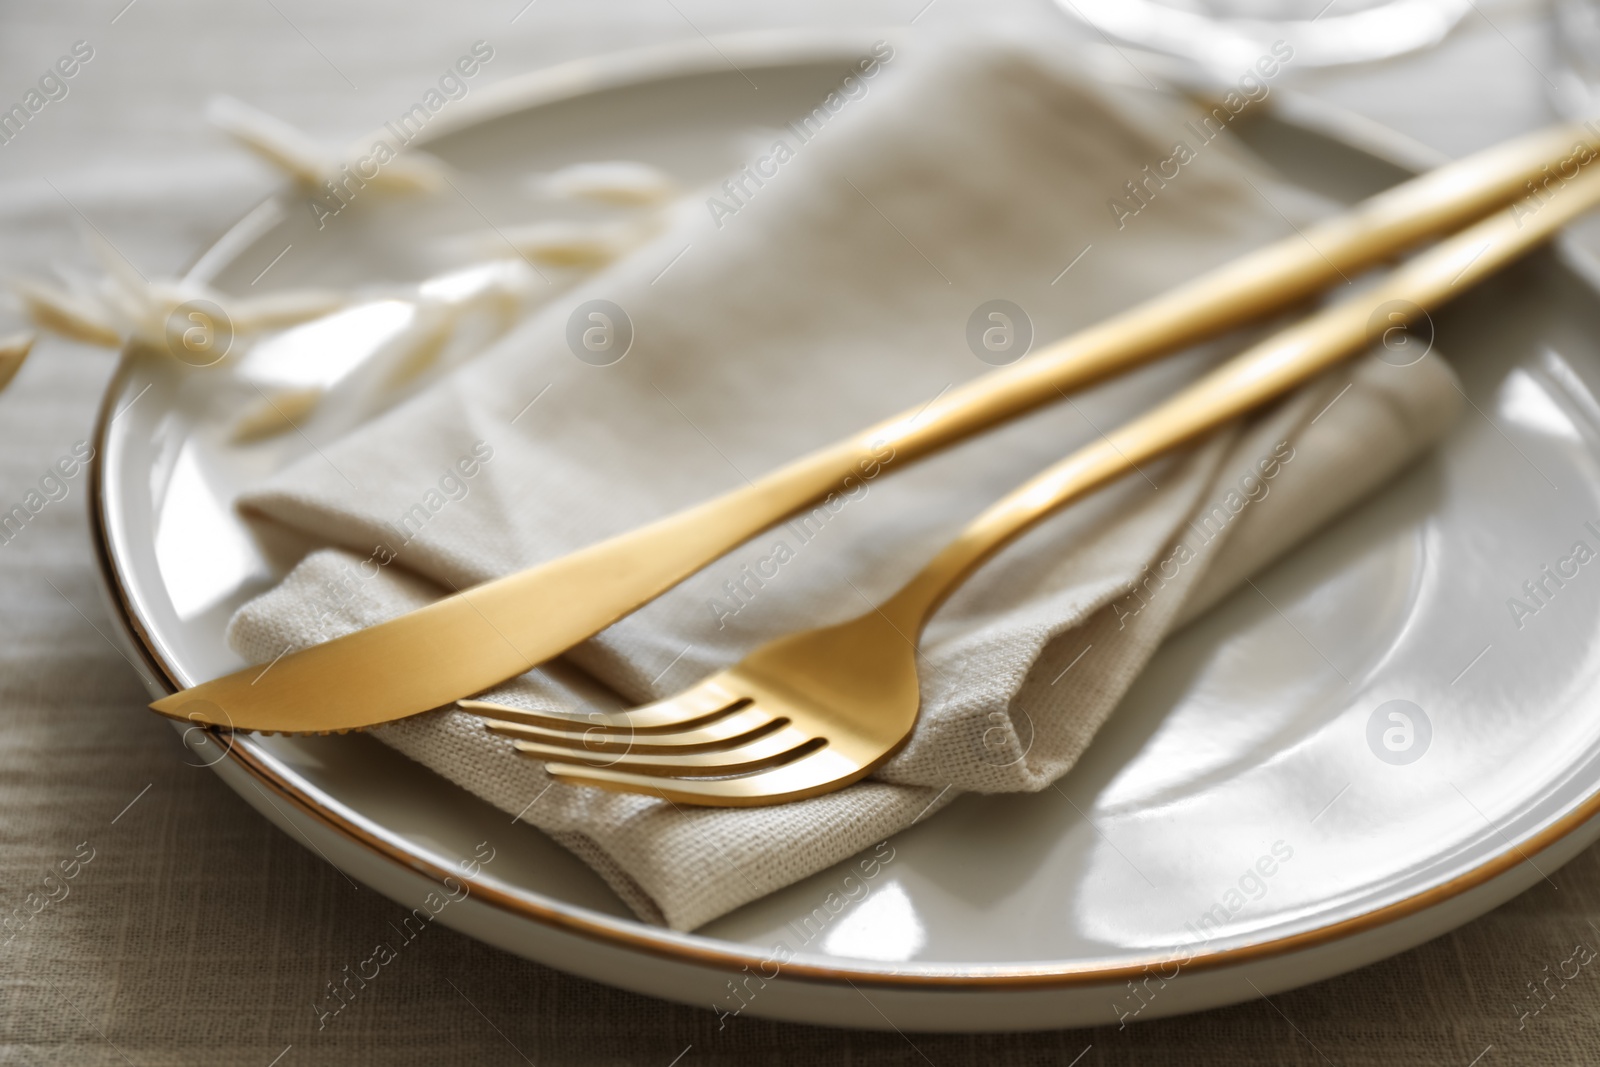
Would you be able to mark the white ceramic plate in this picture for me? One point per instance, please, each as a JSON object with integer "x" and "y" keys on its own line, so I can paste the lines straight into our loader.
{"x": 1239, "y": 789}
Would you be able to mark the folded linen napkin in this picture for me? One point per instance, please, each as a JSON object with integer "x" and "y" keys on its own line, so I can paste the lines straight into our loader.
{"x": 838, "y": 290}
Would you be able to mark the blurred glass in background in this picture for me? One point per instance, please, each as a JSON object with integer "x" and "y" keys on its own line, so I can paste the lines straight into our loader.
{"x": 1576, "y": 88}
{"x": 1224, "y": 37}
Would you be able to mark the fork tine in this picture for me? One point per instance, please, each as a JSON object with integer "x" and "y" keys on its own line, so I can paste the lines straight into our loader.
{"x": 704, "y": 702}
{"x": 767, "y": 750}
{"x": 741, "y": 726}
{"x": 820, "y": 771}
{"x": 550, "y": 720}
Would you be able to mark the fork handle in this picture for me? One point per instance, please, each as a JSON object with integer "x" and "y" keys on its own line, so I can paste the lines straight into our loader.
{"x": 1259, "y": 374}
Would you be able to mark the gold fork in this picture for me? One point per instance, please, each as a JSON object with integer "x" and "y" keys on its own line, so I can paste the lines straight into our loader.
{"x": 815, "y": 711}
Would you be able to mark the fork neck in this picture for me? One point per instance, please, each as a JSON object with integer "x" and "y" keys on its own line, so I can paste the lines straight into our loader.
{"x": 910, "y": 608}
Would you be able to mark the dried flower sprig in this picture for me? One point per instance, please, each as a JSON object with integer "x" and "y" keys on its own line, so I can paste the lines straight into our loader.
{"x": 491, "y": 295}
{"x": 579, "y": 246}
{"x": 619, "y": 183}
{"x": 311, "y": 164}
{"x": 123, "y": 306}
{"x": 14, "y": 351}
{"x": 72, "y": 314}
{"x": 274, "y": 412}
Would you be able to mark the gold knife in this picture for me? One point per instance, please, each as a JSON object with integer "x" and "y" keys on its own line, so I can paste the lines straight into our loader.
{"x": 465, "y": 643}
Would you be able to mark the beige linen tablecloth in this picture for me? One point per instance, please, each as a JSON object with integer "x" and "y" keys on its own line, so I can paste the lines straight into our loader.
{"x": 198, "y": 934}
